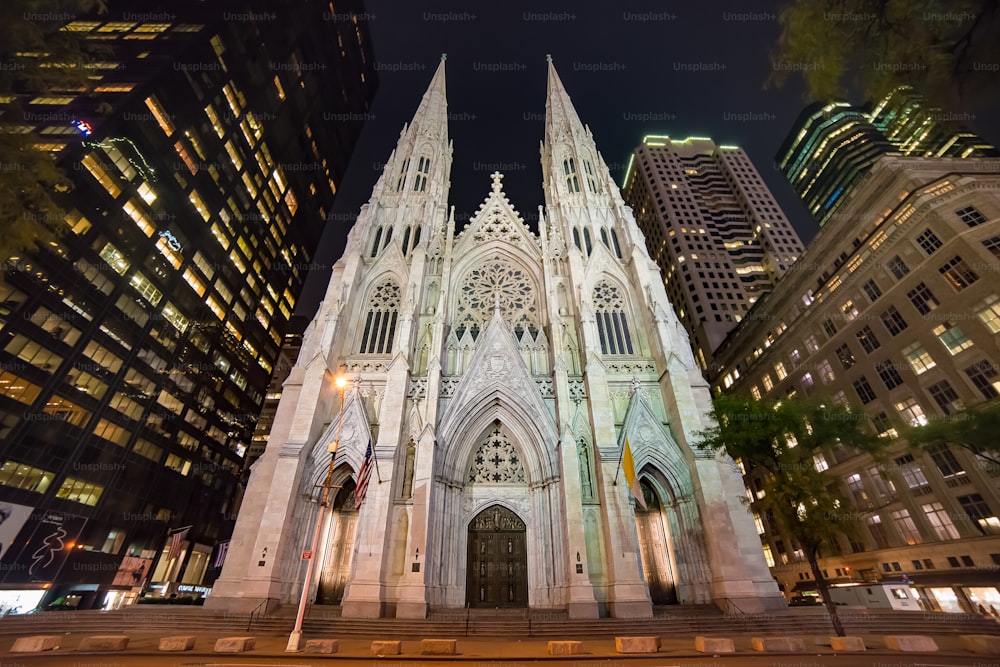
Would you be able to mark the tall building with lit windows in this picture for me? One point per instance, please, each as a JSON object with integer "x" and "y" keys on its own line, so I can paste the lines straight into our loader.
{"x": 894, "y": 308}
{"x": 831, "y": 146}
{"x": 713, "y": 227}
{"x": 136, "y": 349}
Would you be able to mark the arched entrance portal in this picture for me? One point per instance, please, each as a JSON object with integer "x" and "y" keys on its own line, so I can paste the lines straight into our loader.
{"x": 339, "y": 547}
{"x": 497, "y": 572}
{"x": 654, "y": 548}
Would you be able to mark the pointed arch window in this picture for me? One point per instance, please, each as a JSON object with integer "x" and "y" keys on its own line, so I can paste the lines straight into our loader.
{"x": 423, "y": 170}
{"x": 587, "y": 241}
{"x": 591, "y": 181}
{"x": 416, "y": 236}
{"x": 380, "y": 323}
{"x": 612, "y": 324}
{"x": 378, "y": 238}
{"x": 576, "y": 238}
{"x": 604, "y": 238}
{"x": 572, "y": 180}
{"x": 406, "y": 239}
{"x": 388, "y": 237}
{"x": 614, "y": 241}
{"x": 402, "y": 175}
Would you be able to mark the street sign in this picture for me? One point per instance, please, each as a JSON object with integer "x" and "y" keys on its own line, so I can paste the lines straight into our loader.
{"x": 306, "y": 555}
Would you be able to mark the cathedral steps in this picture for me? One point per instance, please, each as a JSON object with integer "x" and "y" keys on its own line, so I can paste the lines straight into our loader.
{"x": 673, "y": 621}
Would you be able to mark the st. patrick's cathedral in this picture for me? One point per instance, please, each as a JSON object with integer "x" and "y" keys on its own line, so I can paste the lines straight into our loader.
{"x": 496, "y": 373}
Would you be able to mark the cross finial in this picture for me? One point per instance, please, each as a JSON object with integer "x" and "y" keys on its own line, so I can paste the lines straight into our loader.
{"x": 496, "y": 176}
{"x": 444, "y": 56}
{"x": 548, "y": 57}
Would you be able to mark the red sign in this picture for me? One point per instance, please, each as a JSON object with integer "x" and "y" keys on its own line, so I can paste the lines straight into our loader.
{"x": 306, "y": 555}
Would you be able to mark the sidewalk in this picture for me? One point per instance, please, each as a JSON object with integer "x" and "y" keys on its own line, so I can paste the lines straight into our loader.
{"x": 492, "y": 648}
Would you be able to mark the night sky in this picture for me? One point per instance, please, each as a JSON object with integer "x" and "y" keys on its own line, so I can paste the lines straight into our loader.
{"x": 628, "y": 70}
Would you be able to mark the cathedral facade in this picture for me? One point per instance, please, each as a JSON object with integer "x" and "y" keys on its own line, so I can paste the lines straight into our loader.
{"x": 496, "y": 374}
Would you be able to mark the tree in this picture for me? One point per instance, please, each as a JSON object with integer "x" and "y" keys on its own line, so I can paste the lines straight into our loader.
{"x": 946, "y": 49}
{"x": 37, "y": 57}
{"x": 779, "y": 440}
{"x": 974, "y": 429}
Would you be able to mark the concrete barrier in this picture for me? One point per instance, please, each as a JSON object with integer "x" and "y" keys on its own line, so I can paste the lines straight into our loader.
{"x": 981, "y": 644}
{"x": 438, "y": 647}
{"x": 713, "y": 645}
{"x": 921, "y": 643}
{"x": 380, "y": 648}
{"x": 177, "y": 643}
{"x": 103, "y": 643}
{"x": 637, "y": 644}
{"x": 565, "y": 648}
{"x": 322, "y": 645}
{"x": 847, "y": 644}
{"x": 778, "y": 644}
{"x": 35, "y": 644}
{"x": 235, "y": 644}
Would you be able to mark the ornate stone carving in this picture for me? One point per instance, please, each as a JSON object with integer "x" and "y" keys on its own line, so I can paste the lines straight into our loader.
{"x": 496, "y": 461}
{"x": 496, "y": 518}
{"x": 496, "y": 280}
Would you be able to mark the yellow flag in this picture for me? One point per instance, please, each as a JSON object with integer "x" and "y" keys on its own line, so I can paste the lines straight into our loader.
{"x": 628, "y": 467}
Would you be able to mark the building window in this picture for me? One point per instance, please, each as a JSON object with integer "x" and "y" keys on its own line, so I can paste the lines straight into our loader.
{"x": 813, "y": 346}
{"x": 779, "y": 370}
{"x": 979, "y": 512}
{"x": 80, "y": 491}
{"x": 849, "y": 310}
{"x": 888, "y": 374}
{"x": 922, "y": 299}
{"x": 897, "y": 267}
{"x": 970, "y": 216}
{"x": 928, "y": 241}
{"x": 867, "y": 339}
{"x": 940, "y": 521}
{"x": 614, "y": 241}
{"x": 911, "y": 412}
{"x": 946, "y": 462}
{"x": 829, "y": 327}
{"x": 423, "y": 170}
{"x": 845, "y": 355}
{"x": 893, "y": 321}
{"x": 918, "y": 358}
{"x": 402, "y": 175}
{"x": 865, "y": 392}
{"x": 612, "y": 324}
{"x": 591, "y": 183}
{"x": 755, "y": 392}
{"x": 945, "y": 396}
{"x": 569, "y": 170}
{"x": 877, "y": 530}
{"x": 857, "y": 488}
{"x": 807, "y": 381}
{"x": 25, "y": 477}
{"x": 872, "y": 290}
{"x": 380, "y": 323}
{"x": 819, "y": 462}
{"x": 883, "y": 426}
{"x": 958, "y": 274}
{"x": 766, "y": 381}
{"x": 993, "y": 245}
{"x": 952, "y": 337}
{"x": 907, "y": 528}
{"x": 378, "y": 239}
{"x": 989, "y": 312}
{"x": 983, "y": 375}
{"x": 826, "y": 372}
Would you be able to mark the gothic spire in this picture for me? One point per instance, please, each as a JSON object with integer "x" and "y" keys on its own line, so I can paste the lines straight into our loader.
{"x": 561, "y": 118}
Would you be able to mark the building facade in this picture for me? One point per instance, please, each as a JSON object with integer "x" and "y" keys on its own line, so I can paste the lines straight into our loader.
{"x": 713, "y": 227}
{"x": 831, "y": 146}
{"x": 137, "y": 346}
{"x": 898, "y": 312}
{"x": 497, "y": 374}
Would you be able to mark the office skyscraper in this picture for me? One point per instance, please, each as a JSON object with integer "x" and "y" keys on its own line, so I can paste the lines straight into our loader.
{"x": 832, "y": 146}
{"x": 714, "y": 229}
{"x": 135, "y": 350}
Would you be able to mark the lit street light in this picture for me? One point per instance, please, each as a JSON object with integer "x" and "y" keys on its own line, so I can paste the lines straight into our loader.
{"x": 295, "y": 638}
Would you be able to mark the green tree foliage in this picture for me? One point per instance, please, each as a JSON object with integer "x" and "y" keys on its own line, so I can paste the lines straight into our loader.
{"x": 38, "y": 58}
{"x": 946, "y": 49}
{"x": 778, "y": 441}
{"x": 975, "y": 429}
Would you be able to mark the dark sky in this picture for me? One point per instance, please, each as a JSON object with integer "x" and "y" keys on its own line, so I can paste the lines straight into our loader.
{"x": 627, "y": 69}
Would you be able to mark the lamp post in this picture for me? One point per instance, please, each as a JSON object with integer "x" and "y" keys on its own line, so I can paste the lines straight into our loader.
{"x": 295, "y": 638}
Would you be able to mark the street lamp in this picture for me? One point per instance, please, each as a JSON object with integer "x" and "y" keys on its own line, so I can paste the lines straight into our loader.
{"x": 295, "y": 639}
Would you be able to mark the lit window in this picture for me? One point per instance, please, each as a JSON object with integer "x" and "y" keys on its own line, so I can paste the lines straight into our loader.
{"x": 952, "y": 337}
{"x": 161, "y": 116}
{"x": 819, "y": 462}
{"x": 990, "y": 314}
{"x": 196, "y": 284}
{"x": 139, "y": 217}
{"x": 80, "y": 491}
{"x": 907, "y": 528}
{"x": 779, "y": 370}
{"x": 958, "y": 274}
{"x": 911, "y": 412}
{"x": 98, "y": 172}
{"x": 115, "y": 259}
{"x": 918, "y": 358}
{"x": 146, "y": 289}
{"x": 767, "y": 382}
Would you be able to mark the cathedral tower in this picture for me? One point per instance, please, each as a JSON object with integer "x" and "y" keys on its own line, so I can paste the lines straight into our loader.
{"x": 496, "y": 373}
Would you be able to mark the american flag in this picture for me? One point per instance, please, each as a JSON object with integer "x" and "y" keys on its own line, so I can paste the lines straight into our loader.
{"x": 175, "y": 543}
{"x": 363, "y": 476}
{"x": 222, "y": 549}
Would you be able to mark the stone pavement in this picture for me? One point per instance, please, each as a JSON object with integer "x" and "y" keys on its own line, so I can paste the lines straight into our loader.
{"x": 492, "y": 648}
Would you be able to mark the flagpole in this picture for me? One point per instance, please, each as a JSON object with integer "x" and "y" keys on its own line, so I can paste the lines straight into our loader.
{"x": 295, "y": 638}
{"x": 619, "y": 469}
{"x": 375, "y": 459}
